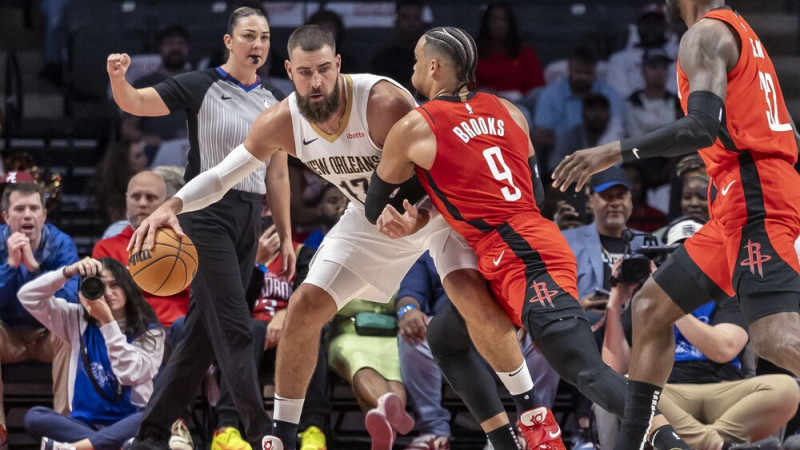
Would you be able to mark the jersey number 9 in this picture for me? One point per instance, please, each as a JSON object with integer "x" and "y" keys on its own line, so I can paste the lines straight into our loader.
{"x": 494, "y": 158}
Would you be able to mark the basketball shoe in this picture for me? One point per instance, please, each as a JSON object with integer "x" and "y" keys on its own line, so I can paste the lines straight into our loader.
{"x": 430, "y": 442}
{"x": 386, "y": 420}
{"x": 540, "y": 430}
{"x": 180, "y": 438}
{"x": 271, "y": 443}
{"x": 229, "y": 438}
{"x": 312, "y": 438}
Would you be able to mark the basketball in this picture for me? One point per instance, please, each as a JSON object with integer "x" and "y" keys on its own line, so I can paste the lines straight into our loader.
{"x": 168, "y": 267}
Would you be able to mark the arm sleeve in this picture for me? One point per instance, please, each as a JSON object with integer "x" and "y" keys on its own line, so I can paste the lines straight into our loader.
{"x": 416, "y": 284}
{"x": 136, "y": 362}
{"x": 536, "y": 180}
{"x": 211, "y": 185}
{"x": 381, "y": 193}
{"x": 695, "y": 131}
{"x": 38, "y": 297}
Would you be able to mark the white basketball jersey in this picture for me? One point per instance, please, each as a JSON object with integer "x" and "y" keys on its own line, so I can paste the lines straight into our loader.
{"x": 347, "y": 158}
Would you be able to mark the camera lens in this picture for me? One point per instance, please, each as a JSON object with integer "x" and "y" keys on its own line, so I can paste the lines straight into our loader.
{"x": 92, "y": 288}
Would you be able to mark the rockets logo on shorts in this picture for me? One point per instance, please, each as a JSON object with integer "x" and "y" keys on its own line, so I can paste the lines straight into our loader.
{"x": 542, "y": 294}
{"x": 754, "y": 258}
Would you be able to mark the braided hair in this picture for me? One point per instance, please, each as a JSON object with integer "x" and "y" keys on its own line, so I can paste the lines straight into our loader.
{"x": 459, "y": 46}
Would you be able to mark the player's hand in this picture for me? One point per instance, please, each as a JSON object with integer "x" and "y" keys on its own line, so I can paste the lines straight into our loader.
{"x": 413, "y": 326}
{"x": 580, "y": 166}
{"x": 396, "y": 225}
{"x": 16, "y": 243}
{"x": 165, "y": 215}
{"x": 117, "y": 65}
{"x": 288, "y": 260}
{"x": 269, "y": 245}
{"x": 274, "y": 329}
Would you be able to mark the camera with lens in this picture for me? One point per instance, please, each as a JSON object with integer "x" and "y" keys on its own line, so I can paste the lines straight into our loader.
{"x": 635, "y": 267}
{"x": 92, "y": 287}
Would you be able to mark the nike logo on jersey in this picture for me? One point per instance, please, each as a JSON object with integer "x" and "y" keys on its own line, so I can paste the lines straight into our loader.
{"x": 497, "y": 261}
{"x": 636, "y": 153}
{"x": 726, "y": 188}
{"x": 305, "y": 142}
{"x": 226, "y": 97}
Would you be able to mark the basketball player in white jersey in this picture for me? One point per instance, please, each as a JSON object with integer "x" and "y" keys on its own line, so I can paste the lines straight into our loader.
{"x": 336, "y": 124}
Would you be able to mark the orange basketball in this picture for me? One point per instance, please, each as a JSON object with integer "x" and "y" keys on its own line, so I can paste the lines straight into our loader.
{"x": 168, "y": 267}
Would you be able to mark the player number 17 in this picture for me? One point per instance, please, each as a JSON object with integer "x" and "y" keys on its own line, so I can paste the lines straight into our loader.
{"x": 494, "y": 158}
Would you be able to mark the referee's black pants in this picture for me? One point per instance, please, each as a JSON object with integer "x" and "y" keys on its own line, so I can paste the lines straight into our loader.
{"x": 218, "y": 322}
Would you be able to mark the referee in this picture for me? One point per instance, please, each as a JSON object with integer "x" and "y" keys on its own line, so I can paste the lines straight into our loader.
{"x": 221, "y": 103}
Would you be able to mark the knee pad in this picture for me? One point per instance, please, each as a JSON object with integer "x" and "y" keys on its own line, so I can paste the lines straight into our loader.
{"x": 447, "y": 333}
{"x": 571, "y": 350}
{"x": 462, "y": 367}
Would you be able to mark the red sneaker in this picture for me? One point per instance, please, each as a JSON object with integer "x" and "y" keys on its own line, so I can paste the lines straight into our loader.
{"x": 540, "y": 430}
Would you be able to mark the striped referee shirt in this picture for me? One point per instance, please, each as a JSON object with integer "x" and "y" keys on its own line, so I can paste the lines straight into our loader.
{"x": 220, "y": 111}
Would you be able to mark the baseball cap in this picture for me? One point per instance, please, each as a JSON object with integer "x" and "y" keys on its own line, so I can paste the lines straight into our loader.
{"x": 652, "y": 8}
{"x": 681, "y": 229}
{"x": 655, "y": 54}
{"x": 613, "y": 176}
{"x": 14, "y": 176}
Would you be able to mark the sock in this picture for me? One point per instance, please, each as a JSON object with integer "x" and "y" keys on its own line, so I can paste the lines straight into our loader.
{"x": 287, "y": 432}
{"x": 640, "y": 407}
{"x": 520, "y": 386}
{"x": 665, "y": 438}
{"x": 503, "y": 438}
{"x": 286, "y": 420}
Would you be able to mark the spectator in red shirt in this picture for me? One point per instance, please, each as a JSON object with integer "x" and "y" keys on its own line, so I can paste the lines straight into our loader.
{"x": 505, "y": 66}
{"x": 146, "y": 191}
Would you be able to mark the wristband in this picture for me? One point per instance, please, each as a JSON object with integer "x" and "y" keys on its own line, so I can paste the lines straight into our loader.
{"x": 405, "y": 309}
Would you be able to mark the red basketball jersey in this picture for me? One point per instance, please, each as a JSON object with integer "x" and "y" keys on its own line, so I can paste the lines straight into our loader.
{"x": 480, "y": 177}
{"x": 756, "y": 119}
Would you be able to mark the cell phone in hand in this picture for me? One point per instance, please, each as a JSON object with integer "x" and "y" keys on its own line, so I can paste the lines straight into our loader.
{"x": 578, "y": 201}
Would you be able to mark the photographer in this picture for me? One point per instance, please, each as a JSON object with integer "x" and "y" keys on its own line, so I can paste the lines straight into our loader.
{"x": 598, "y": 245}
{"x": 116, "y": 344}
{"x": 707, "y": 399}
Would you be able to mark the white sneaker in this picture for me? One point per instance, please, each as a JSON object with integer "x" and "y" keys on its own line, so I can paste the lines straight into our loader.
{"x": 181, "y": 438}
{"x": 271, "y": 443}
{"x": 395, "y": 411}
{"x": 49, "y": 444}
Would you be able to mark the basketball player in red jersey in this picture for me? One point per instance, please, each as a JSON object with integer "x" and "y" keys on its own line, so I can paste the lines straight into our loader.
{"x": 737, "y": 119}
{"x": 473, "y": 156}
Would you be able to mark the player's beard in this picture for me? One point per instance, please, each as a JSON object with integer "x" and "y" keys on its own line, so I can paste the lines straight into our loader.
{"x": 674, "y": 16}
{"x": 321, "y": 111}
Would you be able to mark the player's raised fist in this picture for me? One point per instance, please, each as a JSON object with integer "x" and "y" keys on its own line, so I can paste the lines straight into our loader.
{"x": 117, "y": 64}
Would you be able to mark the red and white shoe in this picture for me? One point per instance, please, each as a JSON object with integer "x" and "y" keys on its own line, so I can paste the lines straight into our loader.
{"x": 271, "y": 443}
{"x": 395, "y": 411}
{"x": 540, "y": 430}
{"x": 380, "y": 430}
